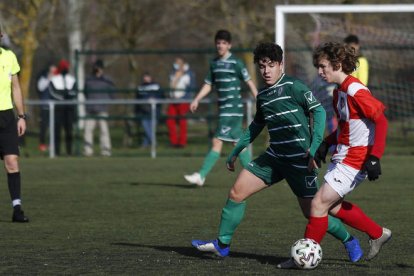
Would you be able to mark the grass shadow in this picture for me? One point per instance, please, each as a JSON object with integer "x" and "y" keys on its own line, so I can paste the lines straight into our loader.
{"x": 184, "y": 186}
{"x": 192, "y": 252}
{"x": 263, "y": 259}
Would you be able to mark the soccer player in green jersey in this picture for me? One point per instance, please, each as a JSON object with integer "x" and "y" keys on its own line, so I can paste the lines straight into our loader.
{"x": 284, "y": 106}
{"x": 226, "y": 73}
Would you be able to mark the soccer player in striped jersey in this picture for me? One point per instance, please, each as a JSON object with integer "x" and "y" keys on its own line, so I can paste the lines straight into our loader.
{"x": 284, "y": 107}
{"x": 226, "y": 73}
{"x": 360, "y": 142}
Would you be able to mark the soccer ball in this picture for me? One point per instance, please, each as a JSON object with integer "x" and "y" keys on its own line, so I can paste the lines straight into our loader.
{"x": 306, "y": 253}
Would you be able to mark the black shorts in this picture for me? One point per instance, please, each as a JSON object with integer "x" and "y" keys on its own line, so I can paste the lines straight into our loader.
{"x": 9, "y": 140}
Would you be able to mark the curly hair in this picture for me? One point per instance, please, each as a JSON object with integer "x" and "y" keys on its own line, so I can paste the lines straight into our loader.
{"x": 337, "y": 54}
{"x": 268, "y": 50}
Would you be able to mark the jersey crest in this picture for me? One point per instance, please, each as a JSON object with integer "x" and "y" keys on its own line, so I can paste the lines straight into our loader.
{"x": 309, "y": 97}
{"x": 310, "y": 182}
{"x": 225, "y": 130}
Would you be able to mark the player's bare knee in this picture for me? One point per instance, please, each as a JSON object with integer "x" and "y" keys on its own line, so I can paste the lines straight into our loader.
{"x": 317, "y": 205}
{"x": 11, "y": 165}
{"x": 235, "y": 195}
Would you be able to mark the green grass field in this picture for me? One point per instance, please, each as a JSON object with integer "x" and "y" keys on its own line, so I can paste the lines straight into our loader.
{"x": 137, "y": 216}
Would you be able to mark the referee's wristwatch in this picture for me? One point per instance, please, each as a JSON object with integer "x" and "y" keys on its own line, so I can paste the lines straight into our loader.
{"x": 22, "y": 116}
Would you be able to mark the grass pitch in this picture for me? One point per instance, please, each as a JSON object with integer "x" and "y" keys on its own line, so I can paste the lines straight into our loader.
{"x": 137, "y": 216}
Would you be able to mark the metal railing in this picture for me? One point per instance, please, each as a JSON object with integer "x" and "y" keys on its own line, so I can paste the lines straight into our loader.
{"x": 152, "y": 102}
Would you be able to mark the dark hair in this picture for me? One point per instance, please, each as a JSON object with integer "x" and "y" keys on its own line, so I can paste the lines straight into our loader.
{"x": 99, "y": 63}
{"x": 268, "y": 50}
{"x": 223, "y": 35}
{"x": 337, "y": 54}
{"x": 351, "y": 39}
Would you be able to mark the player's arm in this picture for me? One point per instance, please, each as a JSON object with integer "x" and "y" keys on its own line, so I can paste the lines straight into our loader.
{"x": 318, "y": 129}
{"x": 247, "y": 137}
{"x": 373, "y": 166}
{"x": 373, "y": 110}
{"x": 204, "y": 91}
{"x": 18, "y": 102}
{"x": 252, "y": 88}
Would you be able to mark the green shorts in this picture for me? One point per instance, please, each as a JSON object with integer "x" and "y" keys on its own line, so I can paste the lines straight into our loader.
{"x": 273, "y": 170}
{"x": 229, "y": 129}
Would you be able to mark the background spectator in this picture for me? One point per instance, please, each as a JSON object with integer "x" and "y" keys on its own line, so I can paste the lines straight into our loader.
{"x": 148, "y": 89}
{"x": 98, "y": 87}
{"x": 182, "y": 82}
{"x": 43, "y": 86}
{"x": 362, "y": 70}
{"x": 63, "y": 87}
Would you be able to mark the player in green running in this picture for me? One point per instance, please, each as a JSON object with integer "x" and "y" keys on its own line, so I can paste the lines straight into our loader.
{"x": 226, "y": 73}
{"x": 284, "y": 106}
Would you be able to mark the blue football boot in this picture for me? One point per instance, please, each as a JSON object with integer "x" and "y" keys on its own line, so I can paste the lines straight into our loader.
{"x": 354, "y": 249}
{"x": 211, "y": 246}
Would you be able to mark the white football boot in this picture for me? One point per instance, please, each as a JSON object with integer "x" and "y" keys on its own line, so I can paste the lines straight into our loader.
{"x": 195, "y": 178}
{"x": 375, "y": 245}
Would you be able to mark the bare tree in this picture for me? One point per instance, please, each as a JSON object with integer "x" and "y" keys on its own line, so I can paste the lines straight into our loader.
{"x": 27, "y": 22}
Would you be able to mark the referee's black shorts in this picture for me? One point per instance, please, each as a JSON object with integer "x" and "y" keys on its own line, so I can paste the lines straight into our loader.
{"x": 9, "y": 140}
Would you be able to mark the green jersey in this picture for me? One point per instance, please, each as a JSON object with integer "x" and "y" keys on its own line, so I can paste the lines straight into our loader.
{"x": 284, "y": 108}
{"x": 226, "y": 75}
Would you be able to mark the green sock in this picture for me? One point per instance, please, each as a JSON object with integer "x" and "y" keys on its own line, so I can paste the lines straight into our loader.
{"x": 245, "y": 158}
{"x": 337, "y": 229}
{"x": 209, "y": 162}
{"x": 231, "y": 216}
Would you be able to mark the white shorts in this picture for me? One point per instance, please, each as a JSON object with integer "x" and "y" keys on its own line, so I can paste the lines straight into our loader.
{"x": 343, "y": 178}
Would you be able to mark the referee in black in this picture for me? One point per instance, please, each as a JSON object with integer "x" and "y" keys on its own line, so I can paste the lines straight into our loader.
{"x": 11, "y": 126}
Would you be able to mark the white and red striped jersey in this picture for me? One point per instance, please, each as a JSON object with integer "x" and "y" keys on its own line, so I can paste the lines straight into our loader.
{"x": 356, "y": 110}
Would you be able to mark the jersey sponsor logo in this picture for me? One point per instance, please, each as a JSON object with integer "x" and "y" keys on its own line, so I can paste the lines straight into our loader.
{"x": 309, "y": 97}
{"x": 279, "y": 91}
{"x": 342, "y": 107}
{"x": 225, "y": 130}
{"x": 310, "y": 182}
{"x": 225, "y": 65}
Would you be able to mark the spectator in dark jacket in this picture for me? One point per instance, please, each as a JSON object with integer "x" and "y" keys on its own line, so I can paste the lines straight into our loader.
{"x": 148, "y": 89}
{"x": 98, "y": 87}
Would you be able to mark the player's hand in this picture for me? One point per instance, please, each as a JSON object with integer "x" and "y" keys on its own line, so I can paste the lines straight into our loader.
{"x": 230, "y": 163}
{"x": 21, "y": 127}
{"x": 311, "y": 163}
{"x": 320, "y": 154}
{"x": 373, "y": 167}
{"x": 193, "y": 106}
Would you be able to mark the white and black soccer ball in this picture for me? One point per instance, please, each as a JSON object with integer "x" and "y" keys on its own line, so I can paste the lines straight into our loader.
{"x": 306, "y": 253}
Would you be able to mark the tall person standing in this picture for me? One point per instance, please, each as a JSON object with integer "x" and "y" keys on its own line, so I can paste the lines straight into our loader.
{"x": 225, "y": 73}
{"x": 182, "y": 83}
{"x": 98, "y": 86}
{"x": 62, "y": 88}
{"x": 10, "y": 130}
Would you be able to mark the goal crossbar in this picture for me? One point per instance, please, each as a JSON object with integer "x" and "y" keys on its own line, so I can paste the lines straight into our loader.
{"x": 282, "y": 10}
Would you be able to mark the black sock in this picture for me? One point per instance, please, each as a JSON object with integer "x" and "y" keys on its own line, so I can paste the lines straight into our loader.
{"x": 349, "y": 239}
{"x": 222, "y": 245}
{"x": 13, "y": 180}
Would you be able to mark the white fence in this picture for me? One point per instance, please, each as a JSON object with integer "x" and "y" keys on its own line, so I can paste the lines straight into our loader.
{"x": 152, "y": 102}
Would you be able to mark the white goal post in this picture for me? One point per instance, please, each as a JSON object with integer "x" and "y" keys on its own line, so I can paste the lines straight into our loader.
{"x": 282, "y": 10}
{"x": 386, "y": 33}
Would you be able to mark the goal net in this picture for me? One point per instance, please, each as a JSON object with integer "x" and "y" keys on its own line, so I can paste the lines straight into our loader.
{"x": 386, "y": 35}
